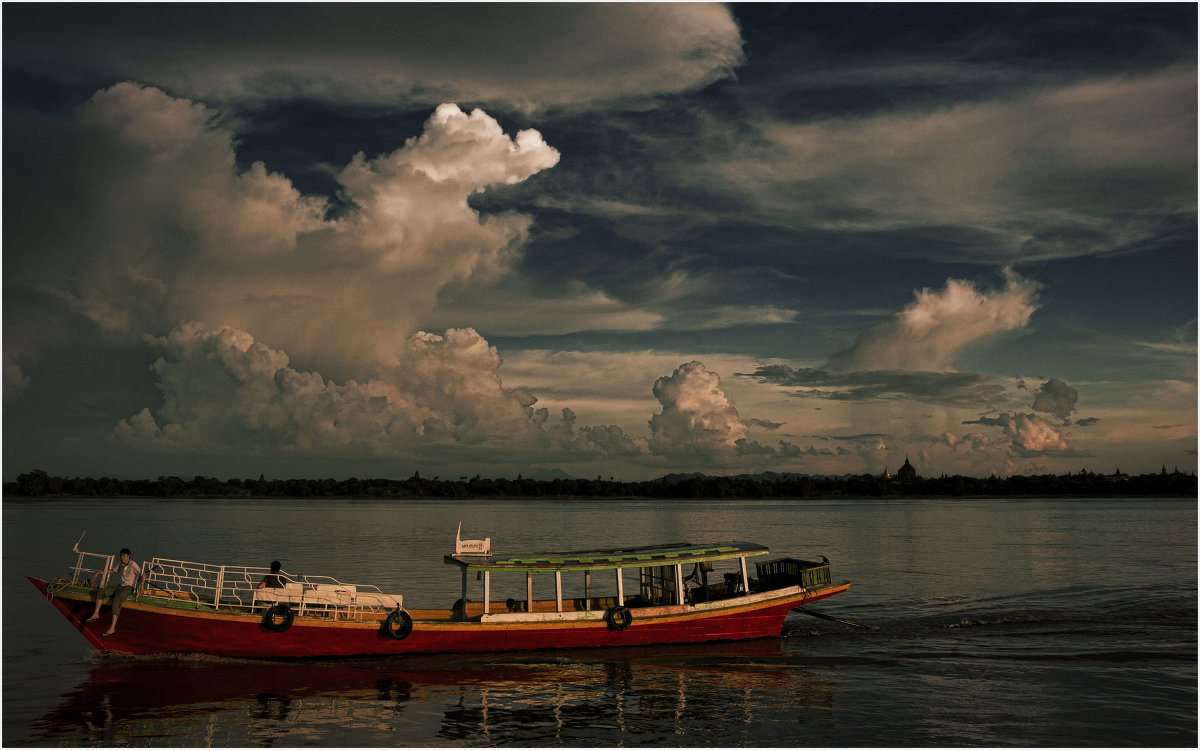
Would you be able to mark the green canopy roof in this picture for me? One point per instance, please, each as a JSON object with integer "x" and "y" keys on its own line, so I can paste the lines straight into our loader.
{"x": 633, "y": 557}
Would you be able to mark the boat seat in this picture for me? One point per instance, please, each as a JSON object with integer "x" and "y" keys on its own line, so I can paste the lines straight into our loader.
{"x": 364, "y": 599}
{"x": 291, "y": 593}
{"x": 329, "y": 595}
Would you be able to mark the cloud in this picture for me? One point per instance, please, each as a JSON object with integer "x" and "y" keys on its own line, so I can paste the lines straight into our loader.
{"x": 932, "y": 331}
{"x": 952, "y": 388}
{"x": 388, "y": 54}
{"x": 696, "y": 415}
{"x": 910, "y": 354}
{"x": 1030, "y": 434}
{"x": 1057, "y": 398}
{"x": 15, "y": 379}
{"x": 1056, "y": 170}
{"x": 765, "y": 424}
{"x": 167, "y": 228}
{"x": 223, "y": 392}
{"x": 514, "y": 307}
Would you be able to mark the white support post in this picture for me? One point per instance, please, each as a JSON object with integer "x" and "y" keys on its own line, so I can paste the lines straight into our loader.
{"x": 679, "y": 584}
{"x": 464, "y": 593}
{"x": 529, "y": 589}
{"x": 745, "y": 577}
{"x": 620, "y": 587}
{"x": 487, "y": 591}
{"x": 220, "y": 585}
{"x": 587, "y": 589}
{"x": 558, "y": 591}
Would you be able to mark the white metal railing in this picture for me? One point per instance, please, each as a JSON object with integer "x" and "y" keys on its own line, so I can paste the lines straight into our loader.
{"x": 236, "y": 587}
{"x": 104, "y": 563}
{"x": 82, "y": 573}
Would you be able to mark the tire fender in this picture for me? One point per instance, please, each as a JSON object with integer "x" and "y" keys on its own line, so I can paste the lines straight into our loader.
{"x": 278, "y": 618}
{"x": 397, "y": 625}
{"x": 618, "y": 618}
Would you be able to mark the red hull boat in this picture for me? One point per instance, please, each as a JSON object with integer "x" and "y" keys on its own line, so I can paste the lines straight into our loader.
{"x": 676, "y": 596}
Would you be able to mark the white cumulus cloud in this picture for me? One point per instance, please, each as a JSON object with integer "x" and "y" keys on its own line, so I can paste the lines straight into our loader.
{"x": 224, "y": 392}
{"x": 1029, "y": 433}
{"x": 932, "y": 331}
{"x": 696, "y": 414}
{"x": 166, "y": 228}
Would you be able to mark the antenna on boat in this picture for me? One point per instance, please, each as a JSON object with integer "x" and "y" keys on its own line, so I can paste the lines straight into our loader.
{"x": 75, "y": 549}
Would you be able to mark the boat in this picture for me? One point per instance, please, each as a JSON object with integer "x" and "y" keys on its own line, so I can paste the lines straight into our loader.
{"x": 630, "y": 596}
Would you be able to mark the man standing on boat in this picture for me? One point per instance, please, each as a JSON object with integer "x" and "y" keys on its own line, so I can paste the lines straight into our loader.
{"x": 129, "y": 572}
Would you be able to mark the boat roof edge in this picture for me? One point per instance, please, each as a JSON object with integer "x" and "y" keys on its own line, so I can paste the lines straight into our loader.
{"x": 634, "y": 557}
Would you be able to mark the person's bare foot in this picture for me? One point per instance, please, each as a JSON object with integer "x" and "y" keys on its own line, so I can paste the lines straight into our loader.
{"x": 91, "y": 619}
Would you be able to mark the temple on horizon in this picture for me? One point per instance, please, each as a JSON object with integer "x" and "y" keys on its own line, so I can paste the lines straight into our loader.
{"x": 906, "y": 474}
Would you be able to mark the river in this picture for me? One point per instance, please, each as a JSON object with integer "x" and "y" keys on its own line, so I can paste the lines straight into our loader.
{"x": 1005, "y": 622}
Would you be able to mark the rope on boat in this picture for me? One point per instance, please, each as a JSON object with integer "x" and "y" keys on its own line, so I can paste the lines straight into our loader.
{"x": 52, "y": 588}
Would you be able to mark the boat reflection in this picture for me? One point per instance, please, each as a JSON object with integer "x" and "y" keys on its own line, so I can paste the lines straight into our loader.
{"x": 578, "y": 697}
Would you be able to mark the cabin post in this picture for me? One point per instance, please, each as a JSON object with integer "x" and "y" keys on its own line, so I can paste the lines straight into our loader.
{"x": 464, "y": 593}
{"x": 558, "y": 591}
{"x": 679, "y": 584}
{"x": 587, "y": 590}
{"x": 620, "y": 587}
{"x": 487, "y": 590}
{"x": 529, "y": 590}
{"x": 745, "y": 577}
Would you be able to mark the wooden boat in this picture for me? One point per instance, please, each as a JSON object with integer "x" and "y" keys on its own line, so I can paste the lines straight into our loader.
{"x": 674, "y": 593}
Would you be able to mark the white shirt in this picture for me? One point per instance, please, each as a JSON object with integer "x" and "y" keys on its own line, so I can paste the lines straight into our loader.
{"x": 129, "y": 573}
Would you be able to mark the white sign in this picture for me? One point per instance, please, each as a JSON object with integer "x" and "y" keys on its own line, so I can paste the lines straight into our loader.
{"x": 471, "y": 546}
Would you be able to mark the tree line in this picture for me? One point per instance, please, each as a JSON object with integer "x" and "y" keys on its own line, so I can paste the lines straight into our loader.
{"x": 38, "y": 483}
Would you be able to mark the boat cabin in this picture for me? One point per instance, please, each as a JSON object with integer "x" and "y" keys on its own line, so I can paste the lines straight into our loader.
{"x": 636, "y": 577}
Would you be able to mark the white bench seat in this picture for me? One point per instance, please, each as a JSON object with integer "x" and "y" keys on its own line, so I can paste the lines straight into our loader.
{"x": 291, "y": 593}
{"x": 373, "y": 599}
{"x": 329, "y": 595}
{"x": 330, "y": 598}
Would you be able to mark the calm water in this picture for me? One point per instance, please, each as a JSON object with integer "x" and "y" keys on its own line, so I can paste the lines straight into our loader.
{"x": 998, "y": 622}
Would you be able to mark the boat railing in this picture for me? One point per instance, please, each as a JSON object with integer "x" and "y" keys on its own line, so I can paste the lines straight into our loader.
{"x": 236, "y": 587}
{"x": 789, "y": 571}
{"x": 82, "y": 571}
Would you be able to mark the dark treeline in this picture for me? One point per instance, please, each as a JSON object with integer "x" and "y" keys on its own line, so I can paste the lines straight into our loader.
{"x": 1083, "y": 484}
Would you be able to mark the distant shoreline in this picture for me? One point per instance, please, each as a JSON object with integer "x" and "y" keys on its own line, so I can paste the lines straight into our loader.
{"x": 40, "y": 485}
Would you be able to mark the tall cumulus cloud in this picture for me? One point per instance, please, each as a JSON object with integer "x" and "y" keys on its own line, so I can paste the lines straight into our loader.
{"x": 167, "y": 229}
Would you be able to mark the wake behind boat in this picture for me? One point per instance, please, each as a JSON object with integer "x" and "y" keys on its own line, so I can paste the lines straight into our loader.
{"x": 660, "y": 594}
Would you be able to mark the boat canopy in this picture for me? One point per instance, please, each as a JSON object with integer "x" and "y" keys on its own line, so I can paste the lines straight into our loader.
{"x": 632, "y": 557}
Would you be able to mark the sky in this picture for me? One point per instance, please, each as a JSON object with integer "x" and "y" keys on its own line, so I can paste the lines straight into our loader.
{"x": 615, "y": 240}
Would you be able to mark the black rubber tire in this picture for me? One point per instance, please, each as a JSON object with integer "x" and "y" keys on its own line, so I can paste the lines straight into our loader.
{"x": 618, "y": 618}
{"x": 398, "y": 625}
{"x": 278, "y": 618}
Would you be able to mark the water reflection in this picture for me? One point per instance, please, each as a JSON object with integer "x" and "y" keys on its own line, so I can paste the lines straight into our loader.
{"x": 694, "y": 695}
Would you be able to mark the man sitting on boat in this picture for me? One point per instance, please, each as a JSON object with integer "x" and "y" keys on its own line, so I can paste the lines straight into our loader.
{"x": 274, "y": 580}
{"x": 129, "y": 572}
